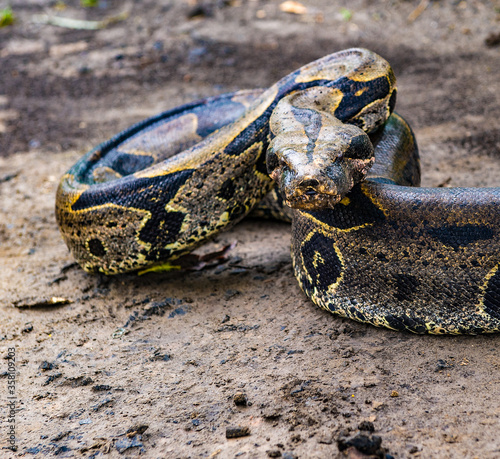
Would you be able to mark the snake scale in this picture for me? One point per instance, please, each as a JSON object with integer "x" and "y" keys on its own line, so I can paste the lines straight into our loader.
{"x": 367, "y": 242}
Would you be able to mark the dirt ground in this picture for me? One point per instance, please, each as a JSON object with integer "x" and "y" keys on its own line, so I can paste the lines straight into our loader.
{"x": 167, "y": 365}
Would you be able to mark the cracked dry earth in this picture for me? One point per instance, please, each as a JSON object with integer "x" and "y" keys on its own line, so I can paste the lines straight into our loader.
{"x": 171, "y": 365}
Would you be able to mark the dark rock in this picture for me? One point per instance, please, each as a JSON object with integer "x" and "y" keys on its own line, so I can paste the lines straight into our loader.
{"x": 101, "y": 388}
{"x": 180, "y": 311}
{"x": 238, "y": 431}
{"x": 46, "y": 366}
{"x": 240, "y": 399}
{"x": 369, "y": 445}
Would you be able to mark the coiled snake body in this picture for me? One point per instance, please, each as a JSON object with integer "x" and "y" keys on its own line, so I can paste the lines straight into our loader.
{"x": 379, "y": 250}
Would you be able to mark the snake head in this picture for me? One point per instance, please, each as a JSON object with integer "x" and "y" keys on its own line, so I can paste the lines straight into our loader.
{"x": 318, "y": 175}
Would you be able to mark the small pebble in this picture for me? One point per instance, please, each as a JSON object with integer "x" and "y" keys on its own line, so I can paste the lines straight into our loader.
{"x": 46, "y": 366}
{"x": 236, "y": 432}
{"x": 240, "y": 399}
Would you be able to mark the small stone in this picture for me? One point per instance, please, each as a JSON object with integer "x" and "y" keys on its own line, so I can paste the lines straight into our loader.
{"x": 101, "y": 387}
{"x": 240, "y": 399}
{"x": 46, "y": 366}
{"x": 238, "y": 431}
{"x": 394, "y": 393}
{"x": 364, "y": 444}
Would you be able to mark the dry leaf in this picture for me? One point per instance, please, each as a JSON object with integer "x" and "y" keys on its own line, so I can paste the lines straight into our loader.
{"x": 293, "y": 7}
{"x": 40, "y": 302}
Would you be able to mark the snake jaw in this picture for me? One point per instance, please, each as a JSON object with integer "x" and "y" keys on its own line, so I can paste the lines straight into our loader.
{"x": 308, "y": 191}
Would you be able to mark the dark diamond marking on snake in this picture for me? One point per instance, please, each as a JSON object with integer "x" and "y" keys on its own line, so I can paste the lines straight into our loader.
{"x": 461, "y": 236}
{"x": 319, "y": 250}
{"x": 227, "y": 189}
{"x": 96, "y": 248}
{"x": 237, "y": 211}
{"x": 149, "y": 194}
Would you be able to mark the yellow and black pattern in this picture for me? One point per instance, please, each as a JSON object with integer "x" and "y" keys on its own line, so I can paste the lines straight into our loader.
{"x": 142, "y": 199}
{"x": 388, "y": 253}
{"x": 418, "y": 259}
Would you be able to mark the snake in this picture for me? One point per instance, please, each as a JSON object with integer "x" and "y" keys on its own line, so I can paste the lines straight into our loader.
{"x": 322, "y": 148}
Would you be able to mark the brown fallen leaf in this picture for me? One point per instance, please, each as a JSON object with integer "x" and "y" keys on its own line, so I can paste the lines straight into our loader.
{"x": 293, "y": 7}
{"x": 40, "y": 302}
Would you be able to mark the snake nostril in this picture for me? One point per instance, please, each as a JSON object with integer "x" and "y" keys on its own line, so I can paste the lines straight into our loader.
{"x": 309, "y": 183}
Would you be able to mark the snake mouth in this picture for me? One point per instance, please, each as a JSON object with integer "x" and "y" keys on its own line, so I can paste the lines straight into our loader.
{"x": 310, "y": 191}
{"x": 311, "y": 199}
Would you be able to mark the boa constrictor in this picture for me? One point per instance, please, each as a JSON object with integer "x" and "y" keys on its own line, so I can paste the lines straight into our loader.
{"x": 367, "y": 242}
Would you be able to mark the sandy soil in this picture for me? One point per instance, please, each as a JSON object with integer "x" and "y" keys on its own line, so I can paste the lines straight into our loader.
{"x": 168, "y": 365}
